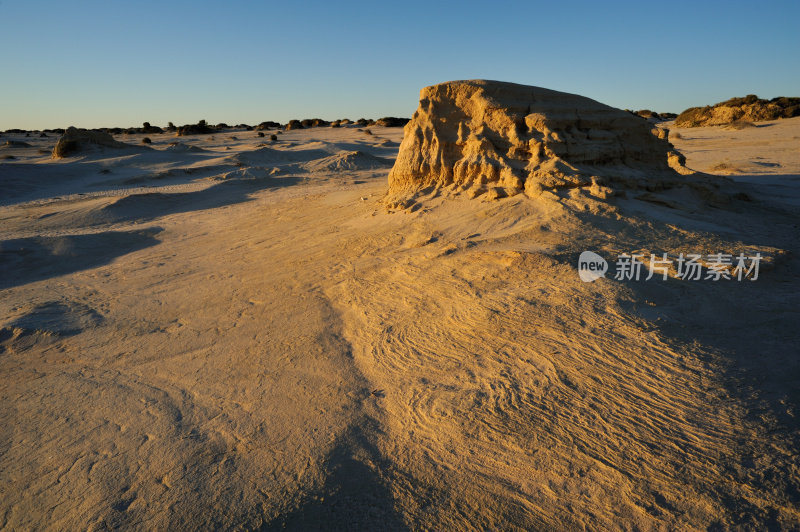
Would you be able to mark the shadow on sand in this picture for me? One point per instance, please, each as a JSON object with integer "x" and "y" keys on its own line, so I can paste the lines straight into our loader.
{"x": 151, "y": 205}
{"x": 27, "y": 260}
{"x": 354, "y": 496}
{"x": 752, "y": 343}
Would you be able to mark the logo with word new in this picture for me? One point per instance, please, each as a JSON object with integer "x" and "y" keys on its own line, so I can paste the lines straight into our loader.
{"x": 591, "y": 266}
{"x": 685, "y": 267}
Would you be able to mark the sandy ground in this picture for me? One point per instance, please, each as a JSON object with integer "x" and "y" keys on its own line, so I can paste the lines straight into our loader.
{"x": 224, "y": 334}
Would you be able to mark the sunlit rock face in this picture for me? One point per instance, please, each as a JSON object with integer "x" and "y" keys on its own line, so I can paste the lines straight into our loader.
{"x": 482, "y": 136}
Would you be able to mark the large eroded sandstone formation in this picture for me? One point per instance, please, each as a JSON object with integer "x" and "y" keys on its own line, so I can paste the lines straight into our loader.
{"x": 502, "y": 138}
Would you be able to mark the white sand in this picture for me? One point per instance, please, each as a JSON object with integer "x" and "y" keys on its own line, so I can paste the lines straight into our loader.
{"x": 239, "y": 338}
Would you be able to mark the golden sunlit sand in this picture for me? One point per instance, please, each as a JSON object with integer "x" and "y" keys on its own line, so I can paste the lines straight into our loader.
{"x": 225, "y": 331}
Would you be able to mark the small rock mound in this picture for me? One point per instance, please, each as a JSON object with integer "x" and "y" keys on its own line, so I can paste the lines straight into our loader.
{"x": 266, "y": 156}
{"x": 748, "y": 109}
{"x": 488, "y": 136}
{"x": 347, "y": 161}
{"x": 76, "y": 140}
{"x": 16, "y": 144}
{"x": 180, "y": 147}
{"x": 57, "y": 318}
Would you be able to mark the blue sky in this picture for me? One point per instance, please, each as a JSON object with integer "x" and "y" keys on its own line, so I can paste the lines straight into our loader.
{"x": 120, "y": 63}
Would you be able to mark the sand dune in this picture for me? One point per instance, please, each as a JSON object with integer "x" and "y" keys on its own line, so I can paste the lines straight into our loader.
{"x": 228, "y": 347}
{"x": 348, "y": 161}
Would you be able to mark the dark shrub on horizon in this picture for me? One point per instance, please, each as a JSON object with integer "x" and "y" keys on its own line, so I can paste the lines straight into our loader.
{"x": 392, "y": 121}
{"x": 647, "y": 113}
{"x": 790, "y": 106}
{"x": 652, "y": 115}
{"x": 200, "y": 128}
{"x": 148, "y": 129}
{"x": 146, "y": 140}
{"x": 267, "y": 125}
{"x": 311, "y": 122}
{"x": 273, "y": 137}
{"x": 737, "y": 102}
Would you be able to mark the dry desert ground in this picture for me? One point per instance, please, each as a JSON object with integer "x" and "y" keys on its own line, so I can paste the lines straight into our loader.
{"x": 231, "y": 332}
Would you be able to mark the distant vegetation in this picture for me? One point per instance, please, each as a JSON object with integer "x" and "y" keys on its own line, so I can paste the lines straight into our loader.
{"x": 200, "y": 128}
{"x": 751, "y": 108}
{"x": 203, "y": 128}
{"x": 148, "y": 129}
{"x": 392, "y": 121}
{"x": 268, "y": 125}
{"x": 652, "y": 115}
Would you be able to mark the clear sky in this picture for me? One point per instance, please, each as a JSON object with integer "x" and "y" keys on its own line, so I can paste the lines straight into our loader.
{"x": 122, "y": 62}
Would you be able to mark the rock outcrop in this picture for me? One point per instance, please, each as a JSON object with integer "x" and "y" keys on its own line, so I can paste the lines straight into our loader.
{"x": 502, "y": 138}
{"x": 748, "y": 109}
{"x": 76, "y": 140}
